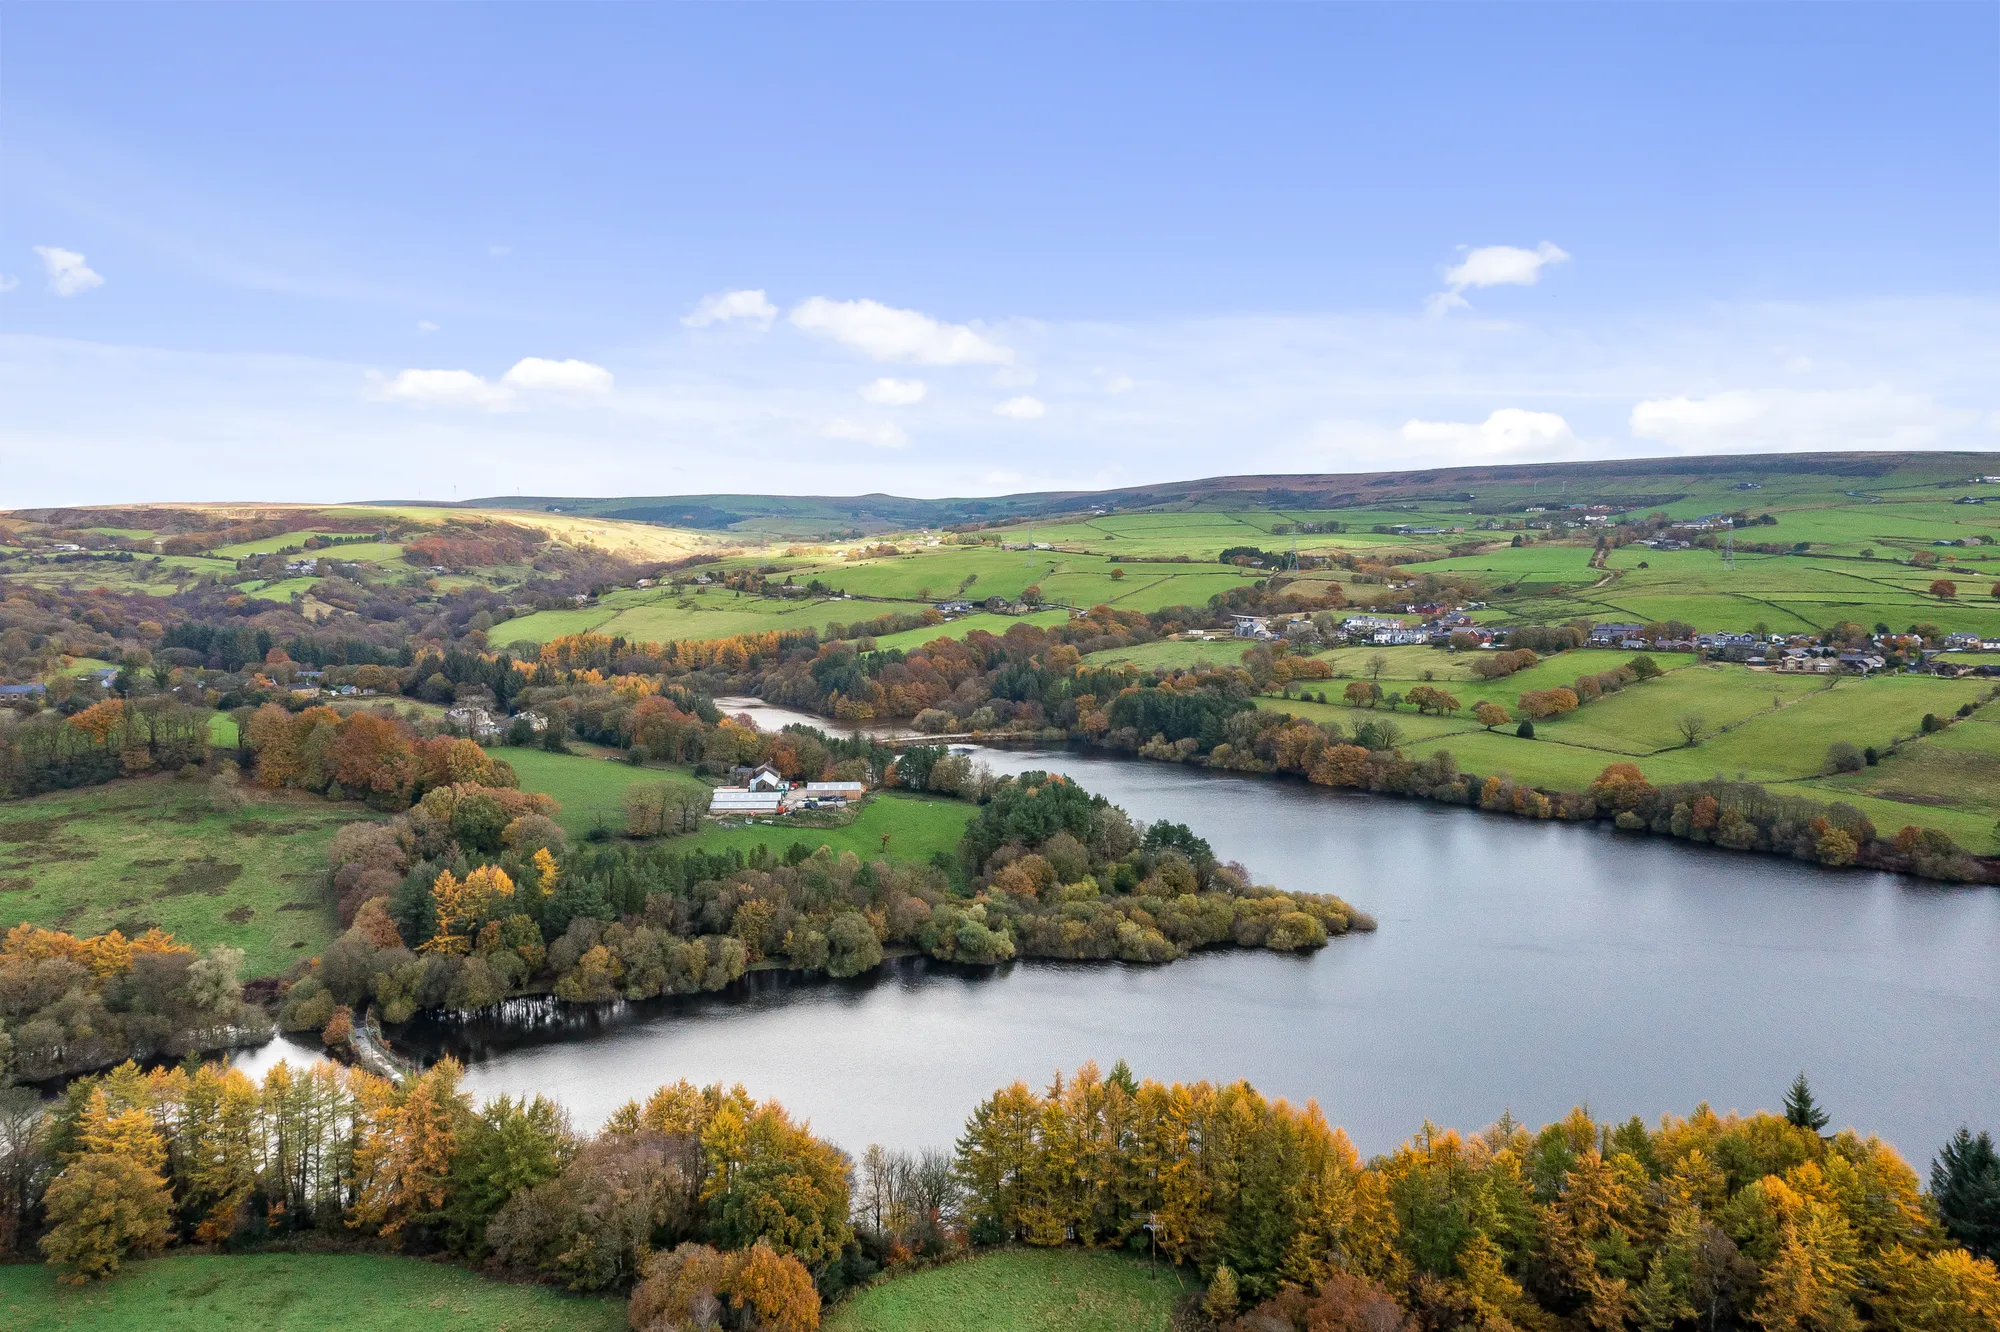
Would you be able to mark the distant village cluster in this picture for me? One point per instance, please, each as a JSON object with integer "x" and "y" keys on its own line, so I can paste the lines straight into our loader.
{"x": 1807, "y": 654}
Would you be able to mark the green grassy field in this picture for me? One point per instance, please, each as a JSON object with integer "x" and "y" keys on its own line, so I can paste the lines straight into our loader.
{"x": 265, "y": 545}
{"x": 293, "y": 1293}
{"x": 1175, "y": 654}
{"x": 1038, "y": 1290}
{"x": 590, "y": 789}
{"x": 1762, "y": 726}
{"x": 153, "y": 851}
{"x": 654, "y": 616}
{"x": 917, "y": 828}
{"x": 911, "y": 639}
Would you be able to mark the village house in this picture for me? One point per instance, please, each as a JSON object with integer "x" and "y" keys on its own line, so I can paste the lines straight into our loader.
{"x": 763, "y": 777}
{"x": 476, "y": 722}
{"x": 1252, "y": 626}
{"x": 1613, "y": 635}
{"x": 1796, "y": 662}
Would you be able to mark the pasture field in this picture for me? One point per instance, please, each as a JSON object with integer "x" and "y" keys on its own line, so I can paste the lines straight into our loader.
{"x": 917, "y": 827}
{"x": 1762, "y": 726}
{"x": 155, "y": 851}
{"x": 1175, "y": 654}
{"x": 361, "y": 552}
{"x": 280, "y": 590}
{"x": 653, "y": 615}
{"x": 1019, "y": 1290}
{"x": 293, "y": 1292}
{"x": 591, "y": 790}
{"x": 911, "y": 639}
{"x": 265, "y": 545}
{"x": 1954, "y": 774}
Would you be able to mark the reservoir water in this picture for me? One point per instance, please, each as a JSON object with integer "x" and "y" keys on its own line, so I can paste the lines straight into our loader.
{"x": 1519, "y": 966}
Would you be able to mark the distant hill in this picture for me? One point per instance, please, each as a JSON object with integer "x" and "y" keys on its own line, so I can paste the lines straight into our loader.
{"x": 1630, "y": 481}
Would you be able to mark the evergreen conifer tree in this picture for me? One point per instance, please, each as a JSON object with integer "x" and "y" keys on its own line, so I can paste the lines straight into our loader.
{"x": 1965, "y": 1184}
{"x": 1801, "y": 1110}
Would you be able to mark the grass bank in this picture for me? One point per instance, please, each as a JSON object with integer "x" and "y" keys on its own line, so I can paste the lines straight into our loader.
{"x": 1025, "y": 1290}
{"x": 293, "y": 1293}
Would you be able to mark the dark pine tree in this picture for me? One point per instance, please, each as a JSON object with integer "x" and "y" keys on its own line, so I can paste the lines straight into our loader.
{"x": 1965, "y": 1184}
{"x": 1801, "y": 1110}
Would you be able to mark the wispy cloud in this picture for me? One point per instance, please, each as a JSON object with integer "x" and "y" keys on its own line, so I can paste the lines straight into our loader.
{"x": 444, "y": 388}
{"x": 463, "y": 388}
{"x": 1023, "y": 408}
{"x": 881, "y": 434}
{"x": 1872, "y": 417}
{"x": 533, "y": 372}
{"x": 722, "y": 307}
{"x": 1508, "y": 431}
{"x": 1247, "y": 394}
{"x": 68, "y": 274}
{"x": 885, "y": 333}
{"x": 1493, "y": 266}
{"x": 894, "y": 392}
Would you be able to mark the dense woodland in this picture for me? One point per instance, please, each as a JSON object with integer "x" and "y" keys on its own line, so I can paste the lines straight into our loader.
{"x": 1705, "y": 1222}
{"x": 474, "y": 894}
{"x": 715, "y": 1210}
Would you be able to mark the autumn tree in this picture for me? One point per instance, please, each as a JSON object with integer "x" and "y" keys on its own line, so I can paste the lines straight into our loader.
{"x": 1490, "y": 714}
{"x": 404, "y": 1160}
{"x": 1944, "y": 589}
{"x": 110, "y": 1201}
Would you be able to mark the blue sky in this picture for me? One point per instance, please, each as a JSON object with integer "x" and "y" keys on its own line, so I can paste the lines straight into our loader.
{"x": 326, "y": 252}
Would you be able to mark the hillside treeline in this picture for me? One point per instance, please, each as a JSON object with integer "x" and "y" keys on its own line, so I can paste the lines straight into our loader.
{"x": 716, "y": 1210}
{"x": 1705, "y": 1222}
{"x": 128, "y": 1163}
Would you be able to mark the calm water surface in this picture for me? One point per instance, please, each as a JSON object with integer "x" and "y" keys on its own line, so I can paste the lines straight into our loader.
{"x": 1519, "y": 966}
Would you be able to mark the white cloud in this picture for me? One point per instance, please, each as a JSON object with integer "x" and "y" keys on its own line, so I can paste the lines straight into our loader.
{"x": 534, "y": 372}
{"x": 1508, "y": 430}
{"x": 885, "y": 333}
{"x": 68, "y": 273}
{"x": 1494, "y": 266}
{"x": 8, "y": 282}
{"x": 1878, "y": 417}
{"x": 426, "y": 326}
{"x": 1683, "y": 419}
{"x": 883, "y": 435}
{"x": 1022, "y": 408}
{"x": 445, "y": 388}
{"x": 1118, "y": 384}
{"x": 894, "y": 392}
{"x": 720, "y": 307}
{"x": 499, "y": 251}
